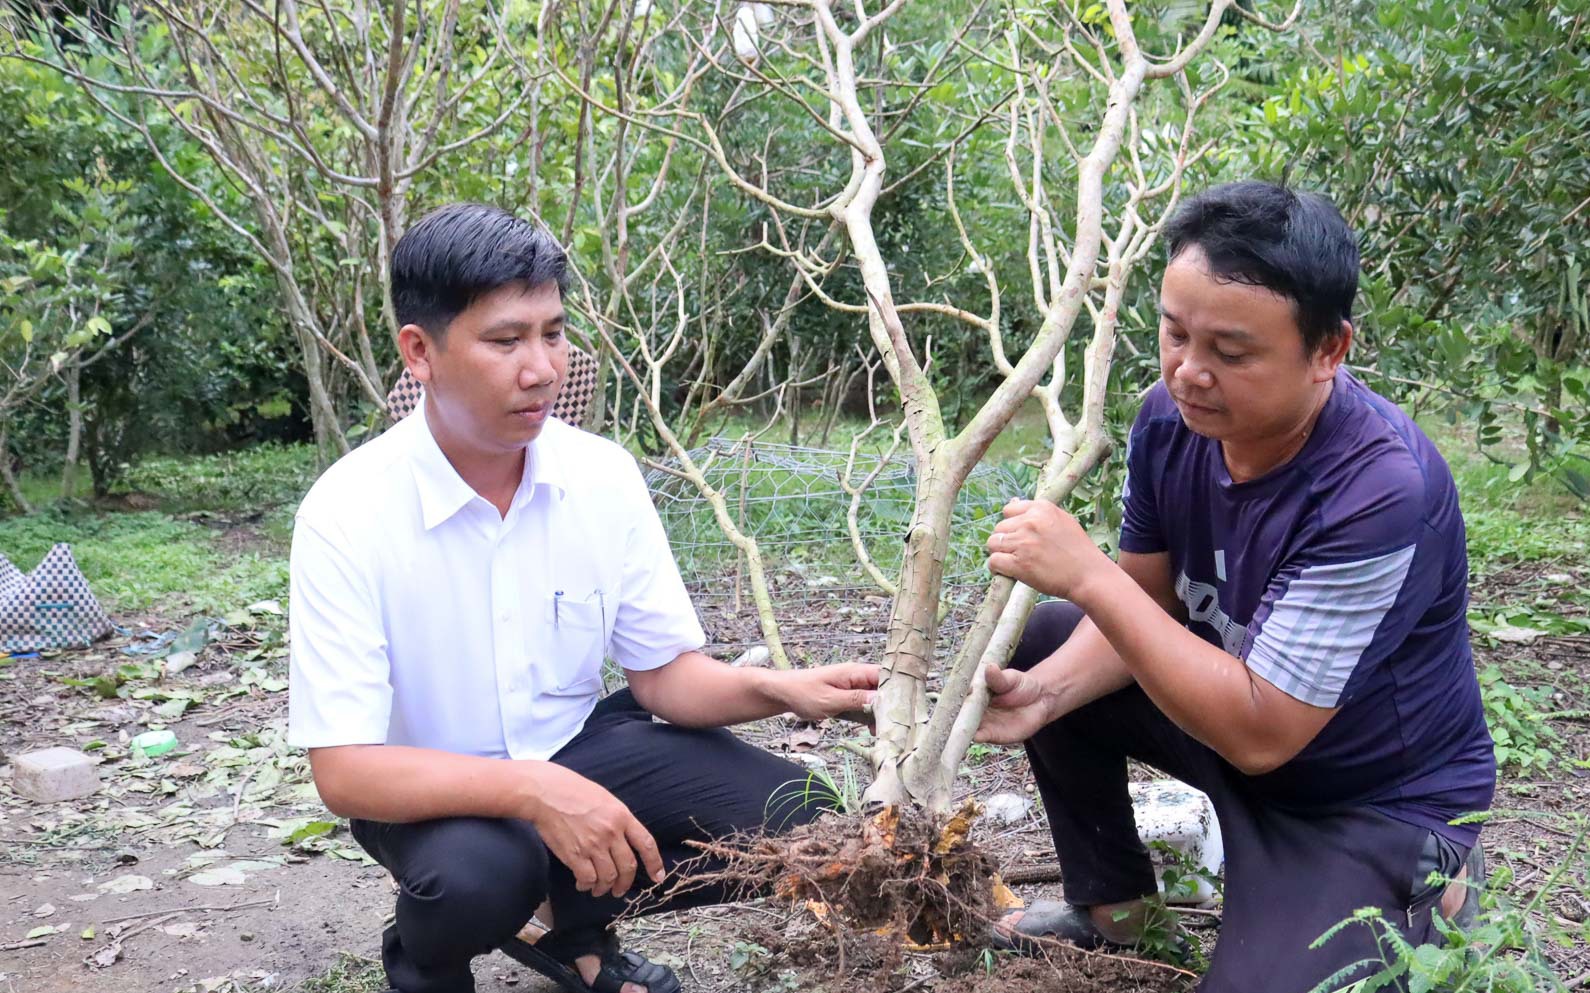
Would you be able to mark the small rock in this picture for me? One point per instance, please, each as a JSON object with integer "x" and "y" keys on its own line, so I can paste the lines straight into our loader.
{"x": 1554, "y": 666}
{"x": 55, "y": 774}
{"x": 811, "y": 760}
{"x": 1558, "y": 577}
{"x": 753, "y": 658}
{"x": 1007, "y": 808}
{"x": 245, "y": 936}
{"x": 44, "y": 910}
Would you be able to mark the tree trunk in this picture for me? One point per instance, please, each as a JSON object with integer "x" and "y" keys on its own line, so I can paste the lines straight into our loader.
{"x": 74, "y": 428}
{"x": 10, "y": 477}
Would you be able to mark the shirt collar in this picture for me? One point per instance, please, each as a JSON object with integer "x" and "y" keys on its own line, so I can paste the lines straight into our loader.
{"x": 443, "y": 491}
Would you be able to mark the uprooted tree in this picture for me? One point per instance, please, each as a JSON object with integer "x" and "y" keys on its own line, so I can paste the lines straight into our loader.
{"x": 796, "y": 111}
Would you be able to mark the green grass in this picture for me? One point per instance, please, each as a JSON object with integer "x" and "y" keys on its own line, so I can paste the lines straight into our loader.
{"x": 1510, "y": 522}
{"x": 249, "y": 479}
{"x": 135, "y": 561}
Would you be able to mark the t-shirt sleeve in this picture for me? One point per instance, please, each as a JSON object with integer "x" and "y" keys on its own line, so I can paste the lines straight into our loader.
{"x": 1140, "y": 523}
{"x": 1346, "y": 600}
{"x": 339, "y": 689}
{"x": 655, "y": 622}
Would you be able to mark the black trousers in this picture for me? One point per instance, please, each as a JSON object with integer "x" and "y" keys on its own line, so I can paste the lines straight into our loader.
{"x": 468, "y": 884}
{"x": 1290, "y": 874}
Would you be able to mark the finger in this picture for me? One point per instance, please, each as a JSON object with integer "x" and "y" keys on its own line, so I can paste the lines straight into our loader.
{"x": 624, "y": 860}
{"x": 855, "y": 700}
{"x": 641, "y": 841}
{"x": 1003, "y": 564}
{"x": 1016, "y": 507}
{"x": 606, "y": 872}
{"x": 584, "y": 873}
{"x": 860, "y": 675}
{"x": 1000, "y": 681}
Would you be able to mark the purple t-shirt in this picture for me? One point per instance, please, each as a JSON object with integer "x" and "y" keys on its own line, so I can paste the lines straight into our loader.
{"x": 1342, "y": 579}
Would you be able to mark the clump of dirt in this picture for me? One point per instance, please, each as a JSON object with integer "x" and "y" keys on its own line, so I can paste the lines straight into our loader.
{"x": 866, "y": 889}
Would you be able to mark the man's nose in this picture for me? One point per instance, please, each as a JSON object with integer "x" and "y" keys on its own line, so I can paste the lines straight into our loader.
{"x": 537, "y": 368}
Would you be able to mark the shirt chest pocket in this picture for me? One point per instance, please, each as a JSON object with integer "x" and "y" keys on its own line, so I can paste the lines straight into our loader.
{"x": 576, "y": 629}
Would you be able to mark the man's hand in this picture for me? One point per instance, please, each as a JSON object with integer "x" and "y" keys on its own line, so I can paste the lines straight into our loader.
{"x": 591, "y": 832}
{"x": 1043, "y": 546}
{"x": 1017, "y": 707}
{"x": 813, "y": 694}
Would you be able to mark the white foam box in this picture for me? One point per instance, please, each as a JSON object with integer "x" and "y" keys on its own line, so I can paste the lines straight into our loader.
{"x": 1181, "y": 817}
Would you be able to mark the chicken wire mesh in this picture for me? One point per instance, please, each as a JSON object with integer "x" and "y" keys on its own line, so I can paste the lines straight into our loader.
{"x": 793, "y": 501}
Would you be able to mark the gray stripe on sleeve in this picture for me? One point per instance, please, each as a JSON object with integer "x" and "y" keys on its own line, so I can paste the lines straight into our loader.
{"x": 1319, "y": 629}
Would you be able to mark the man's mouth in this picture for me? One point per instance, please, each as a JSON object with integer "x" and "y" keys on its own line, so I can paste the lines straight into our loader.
{"x": 1195, "y": 405}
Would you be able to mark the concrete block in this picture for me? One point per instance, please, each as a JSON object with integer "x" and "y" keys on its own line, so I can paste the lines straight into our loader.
{"x": 54, "y": 774}
{"x": 1183, "y": 818}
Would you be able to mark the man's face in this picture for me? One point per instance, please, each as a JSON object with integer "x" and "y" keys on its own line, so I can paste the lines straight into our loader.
{"x": 492, "y": 377}
{"x": 1232, "y": 355}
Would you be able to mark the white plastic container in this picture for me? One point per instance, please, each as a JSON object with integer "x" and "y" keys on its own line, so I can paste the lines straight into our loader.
{"x": 1172, "y": 812}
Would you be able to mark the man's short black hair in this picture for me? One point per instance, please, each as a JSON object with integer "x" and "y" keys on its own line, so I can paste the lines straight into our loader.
{"x": 458, "y": 253}
{"x": 1296, "y": 244}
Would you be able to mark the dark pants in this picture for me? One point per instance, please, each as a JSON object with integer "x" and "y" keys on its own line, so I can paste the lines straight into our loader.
{"x": 1290, "y": 874}
{"x": 468, "y": 884}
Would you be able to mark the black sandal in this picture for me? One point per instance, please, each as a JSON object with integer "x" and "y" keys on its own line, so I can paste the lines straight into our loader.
{"x": 1048, "y": 920}
{"x": 553, "y": 957}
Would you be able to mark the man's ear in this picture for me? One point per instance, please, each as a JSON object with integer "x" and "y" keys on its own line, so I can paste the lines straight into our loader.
{"x": 417, "y": 348}
{"x": 1332, "y": 352}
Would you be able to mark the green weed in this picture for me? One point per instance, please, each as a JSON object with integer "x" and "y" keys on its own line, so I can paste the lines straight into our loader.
{"x": 1516, "y": 715}
{"x": 139, "y": 560}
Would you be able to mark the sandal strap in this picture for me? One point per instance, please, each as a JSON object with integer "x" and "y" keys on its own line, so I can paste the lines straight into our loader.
{"x": 629, "y": 967}
{"x": 568, "y": 944}
{"x": 618, "y": 966}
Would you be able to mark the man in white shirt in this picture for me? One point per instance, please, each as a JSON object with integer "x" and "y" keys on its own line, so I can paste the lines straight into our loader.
{"x": 456, "y": 586}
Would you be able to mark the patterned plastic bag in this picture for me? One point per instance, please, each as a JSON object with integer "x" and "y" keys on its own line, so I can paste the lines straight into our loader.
{"x": 51, "y": 607}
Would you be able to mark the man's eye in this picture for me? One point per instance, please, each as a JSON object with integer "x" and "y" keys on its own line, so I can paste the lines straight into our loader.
{"x": 1225, "y": 357}
{"x": 505, "y": 341}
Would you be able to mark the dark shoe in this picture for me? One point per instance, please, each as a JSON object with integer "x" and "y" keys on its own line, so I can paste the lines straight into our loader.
{"x": 1048, "y": 921}
{"x": 553, "y": 957}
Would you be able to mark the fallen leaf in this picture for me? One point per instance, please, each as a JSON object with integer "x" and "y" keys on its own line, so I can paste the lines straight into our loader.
{"x": 1516, "y": 635}
{"x": 40, "y": 932}
{"x": 88, "y": 934}
{"x": 127, "y": 884}
{"x": 228, "y": 875}
{"x": 178, "y": 661}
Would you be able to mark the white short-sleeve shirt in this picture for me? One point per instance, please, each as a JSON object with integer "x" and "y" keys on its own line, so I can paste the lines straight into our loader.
{"x": 422, "y": 616}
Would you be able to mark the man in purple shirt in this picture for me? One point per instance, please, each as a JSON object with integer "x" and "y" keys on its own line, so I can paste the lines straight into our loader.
{"x": 1285, "y": 628}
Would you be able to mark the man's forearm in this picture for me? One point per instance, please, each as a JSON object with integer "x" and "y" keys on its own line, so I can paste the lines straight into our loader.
{"x": 400, "y": 784}
{"x": 1081, "y": 671}
{"x": 1205, "y": 691}
{"x": 696, "y": 690}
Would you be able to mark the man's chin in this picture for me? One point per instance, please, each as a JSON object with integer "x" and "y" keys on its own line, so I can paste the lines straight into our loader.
{"x": 1203, "y": 421}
